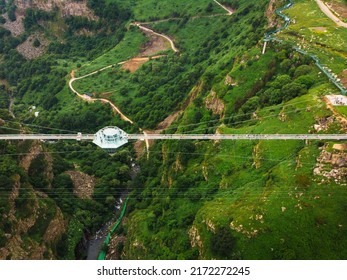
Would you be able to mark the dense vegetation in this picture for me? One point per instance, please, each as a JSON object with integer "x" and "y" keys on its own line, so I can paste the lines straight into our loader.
{"x": 40, "y": 81}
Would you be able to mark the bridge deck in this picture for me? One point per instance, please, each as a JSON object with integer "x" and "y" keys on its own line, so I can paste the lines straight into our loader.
{"x": 88, "y": 137}
{"x": 238, "y": 136}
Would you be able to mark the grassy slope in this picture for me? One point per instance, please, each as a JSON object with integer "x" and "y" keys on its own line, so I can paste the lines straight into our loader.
{"x": 318, "y": 34}
{"x": 342, "y": 110}
{"x": 127, "y": 48}
{"x": 264, "y": 191}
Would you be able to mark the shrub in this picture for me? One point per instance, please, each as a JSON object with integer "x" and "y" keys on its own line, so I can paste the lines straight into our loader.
{"x": 223, "y": 242}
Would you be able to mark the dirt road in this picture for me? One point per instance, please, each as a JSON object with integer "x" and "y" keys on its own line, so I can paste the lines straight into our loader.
{"x": 92, "y": 99}
{"x": 330, "y": 14}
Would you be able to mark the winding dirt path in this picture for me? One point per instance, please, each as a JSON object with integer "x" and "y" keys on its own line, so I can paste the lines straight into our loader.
{"x": 92, "y": 99}
{"x": 325, "y": 9}
{"x": 229, "y": 11}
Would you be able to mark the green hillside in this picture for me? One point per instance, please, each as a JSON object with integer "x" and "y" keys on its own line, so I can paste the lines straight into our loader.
{"x": 201, "y": 68}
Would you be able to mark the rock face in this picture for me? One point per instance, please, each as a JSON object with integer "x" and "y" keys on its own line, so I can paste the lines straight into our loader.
{"x": 195, "y": 239}
{"x": 21, "y": 248}
{"x": 83, "y": 184}
{"x": 339, "y": 160}
{"x": 27, "y": 48}
{"x": 332, "y": 166}
{"x": 66, "y": 7}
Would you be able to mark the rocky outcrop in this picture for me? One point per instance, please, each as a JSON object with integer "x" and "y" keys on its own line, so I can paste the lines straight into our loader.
{"x": 195, "y": 239}
{"x": 214, "y": 104}
{"x": 323, "y": 124}
{"x": 115, "y": 248}
{"x": 229, "y": 81}
{"x": 83, "y": 184}
{"x": 271, "y": 16}
{"x": 65, "y": 7}
{"x": 331, "y": 166}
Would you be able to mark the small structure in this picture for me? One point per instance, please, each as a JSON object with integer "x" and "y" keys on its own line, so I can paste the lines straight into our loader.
{"x": 110, "y": 138}
{"x": 337, "y": 99}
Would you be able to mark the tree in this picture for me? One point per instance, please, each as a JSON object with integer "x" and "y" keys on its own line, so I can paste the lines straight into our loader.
{"x": 281, "y": 81}
{"x": 302, "y": 70}
{"x": 306, "y": 80}
{"x": 36, "y": 43}
{"x": 251, "y": 104}
{"x": 209, "y": 8}
{"x": 293, "y": 90}
{"x": 110, "y": 201}
{"x": 276, "y": 97}
{"x": 12, "y": 12}
{"x": 223, "y": 242}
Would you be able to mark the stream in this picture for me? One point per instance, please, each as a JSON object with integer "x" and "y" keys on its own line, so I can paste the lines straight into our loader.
{"x": 96, "y": 242}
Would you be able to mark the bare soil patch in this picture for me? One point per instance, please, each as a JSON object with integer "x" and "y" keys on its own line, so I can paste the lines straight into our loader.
{"x": 113, "y": 251}
{"x": 343, "y": 77}
{"x": 167, "y": 122}
{"x": 56, "y": 227}
{"x": 133, "y": 64}
{"x": 105, "y": 94}
{"x": 139, "y": 145}
{"x": 140, "y": 148}
{"x": 27, "y": 48}
{"x": 339, "y": 8}
{"x": 34, "y": 151}
{"x": 318, "y": 29}
{"x": 340, "y": 147}
{"x": 154, "y": 45}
